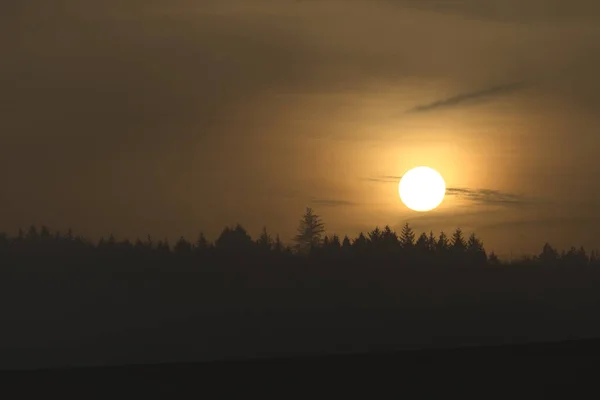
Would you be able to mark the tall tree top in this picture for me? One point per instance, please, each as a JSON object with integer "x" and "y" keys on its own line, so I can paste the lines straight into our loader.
{"x": 407, "y": 236}
{"x": 310, "y": 231}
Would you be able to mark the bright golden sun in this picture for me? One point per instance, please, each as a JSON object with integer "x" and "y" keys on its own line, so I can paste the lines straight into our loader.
{"x": 422, "y": 189}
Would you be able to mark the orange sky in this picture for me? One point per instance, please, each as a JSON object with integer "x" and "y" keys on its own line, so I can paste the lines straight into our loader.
{"x": 171, "y": 117}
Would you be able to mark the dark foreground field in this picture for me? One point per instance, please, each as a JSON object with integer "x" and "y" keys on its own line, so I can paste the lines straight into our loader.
{"x": 566, "y": 369}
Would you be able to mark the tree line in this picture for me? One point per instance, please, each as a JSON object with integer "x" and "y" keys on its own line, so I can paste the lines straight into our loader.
{"x": 310, "y": 243}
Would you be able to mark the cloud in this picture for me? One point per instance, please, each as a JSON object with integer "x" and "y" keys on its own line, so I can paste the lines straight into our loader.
{"x": 384, "y": 179}
{"x": 482, "y": 196}
{"x": 333, "y": 202}
{"x": 462, "y": 98}
{"x": 487, "y": 196}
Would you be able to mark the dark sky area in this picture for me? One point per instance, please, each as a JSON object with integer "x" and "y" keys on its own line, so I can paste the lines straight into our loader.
{"x": 175, "y": 116}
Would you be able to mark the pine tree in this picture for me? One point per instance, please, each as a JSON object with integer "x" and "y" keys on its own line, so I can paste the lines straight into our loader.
{"x": 346, "y": 242}
{"x": 375, "y": 235}
{"x": 278, "y": 246}
{"x": 32, "y": 234}
{"x": 111, "y": 239}
{"x": 493, "y": 259}
{"x": 182, "y": 247}
{"x": 234, "y": 240}
{"x": 310, "y": 230}
{"x": 265, "y": 242}
{"x": 335, "y": 242}
{"x": 442, "y": 245}
{"x": 431, "y": 242}
{"x": 476, "y": 252}
{"x": 458, "y": 241}
{"x": 422, "y": 243}
{"x": 407, "y": 237}
{"x": 201, "y": 244}
{"x": 582, "y": 258}
{"x": 549, "y": 255}
{"x": 45, "y": 233}
{"x": 360, "y": 242}
{"x": 390, "y": 238}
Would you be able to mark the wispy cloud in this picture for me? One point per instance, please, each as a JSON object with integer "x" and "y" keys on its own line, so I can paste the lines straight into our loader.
{"x": 384, "y": 178}
{"x": 487, "y": 196}
{"x": 481, "y": 196}
{"x": 459, "y": 99}
{"x": 332, "y": 202}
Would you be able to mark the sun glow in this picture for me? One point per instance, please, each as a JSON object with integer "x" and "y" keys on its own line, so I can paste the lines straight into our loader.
{"x": 422, "y": 189}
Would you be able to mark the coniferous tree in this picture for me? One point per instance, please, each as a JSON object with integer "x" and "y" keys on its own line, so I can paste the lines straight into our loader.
{"x": 265, "y": 242}
{"x": 45, "y": 233}
{"x": 346, "y": 242}
{"x": 32, "y": 234}
{"x": 442, "y": 245}
{"x": 335, "y": 242}
{"x": 422, "y": 243}
{"x": 375, "y": 236}
{"x": 360, "y": 243}
{"x": 390, "y": 240}
{"x": 457, "y": 242}
{"x": 594, "y": 259}
{"x": 110, "y": 243}
{"x": 407, "y": 237}
{"x": 278, "y": 245}
{"x": 310, "y": 231}
{"x": 475, "y": 251}
{"x": 234, "y": 240}
{"x": 431, "y": 242}
{"x": 493, "y": 259}
{"x": 549, "y": 255}
{"x": 182, "y": 247}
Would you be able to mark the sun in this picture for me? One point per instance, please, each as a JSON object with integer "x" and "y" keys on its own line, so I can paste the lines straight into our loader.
{"x": 422, "y": 189}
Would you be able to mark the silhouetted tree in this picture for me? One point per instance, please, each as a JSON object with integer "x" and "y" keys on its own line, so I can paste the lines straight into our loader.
{"x": 32, "y": 234}
{"x": 389, "y": 240}
{"x": 594, "y": 260}
{"x": 111, "y": 242}
{"x": 234, "y": 240}
{"x": 442, "y": 245}
{"x": 310, "y": 231}
{"x": 422, "y": 243}
{"x": 163, "y": 247}
{"x": 493, "y": 259}
{"x": 431, "y": 242}
{"x": 201, "y": 245}
{"x": 335, "y": 242}
{"x": 549, "y": 255}
{"x": 475, "y": 252}
{"x": 375, "y": 236}
{"x": 458, "y": 241}
{"x": 182, "y": 247}
{"x": 45, "y": 233}
{"x": 407, "y": 237}
{"x": 360, "y": 244}
{"x": 278, "y": 245}
{"x": 346, "y": 242}
{"x": 264, "y": 242}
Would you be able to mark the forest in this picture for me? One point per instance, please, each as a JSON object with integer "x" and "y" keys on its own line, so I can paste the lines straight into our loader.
{"x": 67, "y": 300}
{"x": 311, "y": 245}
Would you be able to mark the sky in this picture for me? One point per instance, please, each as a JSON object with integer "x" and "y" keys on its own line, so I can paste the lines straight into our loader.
{"x": 174, "y": 117}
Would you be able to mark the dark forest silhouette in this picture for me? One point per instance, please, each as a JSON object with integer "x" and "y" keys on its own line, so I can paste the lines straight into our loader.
{"x": 123, "y": 301}
{"x": 310, "y": 244}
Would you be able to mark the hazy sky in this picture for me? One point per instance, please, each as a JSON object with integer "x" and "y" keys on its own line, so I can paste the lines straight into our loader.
{"x": 175, "y": 116}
